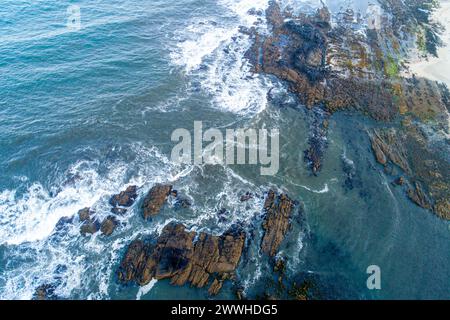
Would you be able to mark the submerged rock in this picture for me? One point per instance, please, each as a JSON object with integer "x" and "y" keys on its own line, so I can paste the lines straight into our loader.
{"x": 155, "y": 199}
{"x": 183, "y": 257}
{"x": 417, "y": 195}
{"x": 399, "y": 181}
{"x": 278, "y": 212}
{"x": 422, "y": 163}
{"x": 90, "y": 226}
{"x": 45, "y": 292}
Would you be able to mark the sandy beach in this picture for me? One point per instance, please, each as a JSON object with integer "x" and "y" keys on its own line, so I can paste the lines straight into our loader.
{"x": 437, "y": 69}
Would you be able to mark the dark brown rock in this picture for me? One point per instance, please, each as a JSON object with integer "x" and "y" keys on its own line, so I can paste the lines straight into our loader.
{"x": 108, "y": 225}
{"x": 124, "y": 198}
{"x": 176, "y": 256}
{"x": 155, "y": 199}
{"x": 278, "y": 211}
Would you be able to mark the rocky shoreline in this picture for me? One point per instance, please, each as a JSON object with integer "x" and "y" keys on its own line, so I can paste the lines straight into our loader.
{"x": 178, "y": 254}
{"x": 330, "y": 68}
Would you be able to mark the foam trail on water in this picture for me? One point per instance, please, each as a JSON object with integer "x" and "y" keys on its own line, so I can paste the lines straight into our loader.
{"x": 325, "y": 188}
{"x": 145, "y": 289}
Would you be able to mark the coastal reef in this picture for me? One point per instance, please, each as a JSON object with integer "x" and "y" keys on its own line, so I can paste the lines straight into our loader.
{"x": 337, "y": 63}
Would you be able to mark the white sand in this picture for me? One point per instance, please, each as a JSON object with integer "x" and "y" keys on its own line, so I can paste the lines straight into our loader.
{"x": 437, "y": 69}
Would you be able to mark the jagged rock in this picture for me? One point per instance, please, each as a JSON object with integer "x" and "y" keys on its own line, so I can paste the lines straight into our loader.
{"x": 418, "y": 196}
{"x": 183, "y": 257}
{"x": 90, "y": 225}
{"x": 377, "y": 147}
{"x": 278, "y": 211}
{"x": 389, "y": 145}
{"x": 45, "y": 292}
{"x": 215, "y": 287}
{"x": 108, "y": 225}
{"x": 124, "y": 198}
{"x": 155, "y": 199}
{"x": 314, "y": 158}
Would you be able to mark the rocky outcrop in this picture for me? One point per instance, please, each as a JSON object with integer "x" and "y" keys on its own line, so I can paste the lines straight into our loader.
{"x": 278, "y": 212}
{"x": 122, "y": 200}
{"x": 388, "y": 145}
{"x": 155, "y": 199}
{"x": 184, "y": 257}
{"x": 423, "y": 165}
{"x": 418, "y": 196}
{"x": 332, "y": 68}
{"x": 108, "y": 225}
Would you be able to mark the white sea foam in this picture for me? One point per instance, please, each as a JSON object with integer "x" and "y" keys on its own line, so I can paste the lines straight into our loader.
{"x": 33, "y": 216}
{"x": 212, "y": 51}
{"x": 325, "y": 188}
{"x": 28, "y": 227}
{"x": 145, "y": 289}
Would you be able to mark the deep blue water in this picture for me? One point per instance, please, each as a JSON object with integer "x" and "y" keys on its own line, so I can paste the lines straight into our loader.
{"x": 85, "y": 113}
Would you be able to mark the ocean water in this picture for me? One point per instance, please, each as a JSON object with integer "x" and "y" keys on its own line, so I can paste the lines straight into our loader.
{"x": 85, "y": 113}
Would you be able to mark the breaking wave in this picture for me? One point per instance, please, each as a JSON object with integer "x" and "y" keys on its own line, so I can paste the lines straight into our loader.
{"x": 212, "y": 53}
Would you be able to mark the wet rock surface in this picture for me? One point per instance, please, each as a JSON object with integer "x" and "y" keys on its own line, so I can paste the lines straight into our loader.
{"x": 108, "y": 225}
{"x": 125, "y": 198}
{"x": 425, "y": 168}
{"x": 332, "y": 68}
{"x": 90, "y": 224}
{"x": 278, "y": 212}
{"x": 155, "y": 199}
{"x": 184, "y": 257}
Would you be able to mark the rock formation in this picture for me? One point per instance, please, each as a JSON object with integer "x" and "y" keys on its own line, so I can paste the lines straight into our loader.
{"x": 123, "y": 199}
{"x": 155, "y": 199}
{"x": 184, "y": 257}
{"x": 90, "y": 224}
{"x": 332, "y": 68}
{"x": 278, "y": 212}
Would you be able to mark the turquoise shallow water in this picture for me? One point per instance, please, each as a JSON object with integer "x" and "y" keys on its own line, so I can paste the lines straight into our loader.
{"x": 85, "y": 113}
